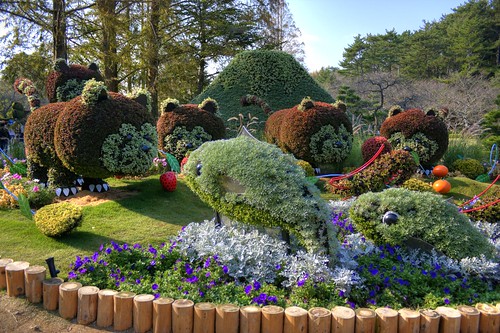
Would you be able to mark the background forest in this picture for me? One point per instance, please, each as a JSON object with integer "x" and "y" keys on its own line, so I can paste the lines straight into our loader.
{"x": 176, "y": 48}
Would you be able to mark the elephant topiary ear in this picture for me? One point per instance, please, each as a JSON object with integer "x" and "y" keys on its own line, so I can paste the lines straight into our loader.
{"x": 306, "y": 104}
{"x": 60, "y": 65}
{"x": 169, "y": 105}
{"x": 94, "y": 92}
{"x": 93, "y": 66}
{"x": 394, "y": 110}
{"x": 339, "y": 104}
{"x": 209, "y": 104}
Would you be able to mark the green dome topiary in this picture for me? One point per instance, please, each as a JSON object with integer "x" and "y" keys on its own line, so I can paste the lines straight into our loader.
{"x": 273, "y": 76}
{"x": 422, "y": 215}
{"x": 58, "y": 219}
{"x": 316, "y": 132}
{"x": 254, "y": 182}
{"x": 469, "y": 167}
{"x": 424, "y": 133}
{"x": 414, "y": 184}
{"x": 371, "y": 145}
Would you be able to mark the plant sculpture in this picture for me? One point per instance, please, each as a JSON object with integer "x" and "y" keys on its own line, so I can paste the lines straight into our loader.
{"x": 95, "y": 135}
{"x": 183, "y": 128}
{"x": 423, "y": 133}
{"x": 254, "y": 182}
{"x": 420, "y": 218}
{"x": 317, "y": 132}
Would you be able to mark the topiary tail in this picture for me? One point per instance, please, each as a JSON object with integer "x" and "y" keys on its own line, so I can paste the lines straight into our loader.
{"x": 27, "y": 87}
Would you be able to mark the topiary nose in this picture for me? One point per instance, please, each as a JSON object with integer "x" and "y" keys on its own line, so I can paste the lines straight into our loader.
{"x": 408, "y": 149}
{"x": 145, "y": 148}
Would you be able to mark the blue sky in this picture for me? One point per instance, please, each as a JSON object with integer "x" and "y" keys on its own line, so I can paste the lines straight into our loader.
{"x": 329, "y": 26}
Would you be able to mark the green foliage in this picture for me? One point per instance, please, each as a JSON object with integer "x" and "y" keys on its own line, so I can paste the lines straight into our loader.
{"x": 58, "y": 219}
{"x": 70, "y": 89}
{"x": 40, "y": 196}
{"x": 254, "y": 182}
{"x": 423, "y": 216}
{"x": 415, "y": 184}
{"x": 181, "y": 141}
{"x": 93, "y": 92}
{"x": 326, "y": 142}
{"x": 308, "y": 169}
{"x": 389, "y": 169}
{"x": 418, "y": 143}
{"x": 492, "y": 124}
{"x": 312, "y": 294}
{"x": 469, "y": 167}
{"x": 130, "y": 151}
{"x": 461, "y": 147}
{"x": 24, "y": 206}
{"x": 274, "y": 76}
{"x": 489, "y": 214}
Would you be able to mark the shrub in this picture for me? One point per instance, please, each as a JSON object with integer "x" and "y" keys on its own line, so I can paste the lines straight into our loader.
{"x": 372, "y": 145}
{"x": 58, "y": 219}
{"x": 414, "y": 184}
{"x": 308, "y": 169}
{"x": 389, "y": 169}
{"x": 254, "y": 182}
{"x": 469, "y": 167}
{"x": 489, "y": 214}
{"x": 422, "y": 215}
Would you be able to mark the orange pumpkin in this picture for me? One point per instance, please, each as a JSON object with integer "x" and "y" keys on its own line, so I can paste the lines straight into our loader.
{"x": 441, "y": 186}
{"x": 440, "y": 171}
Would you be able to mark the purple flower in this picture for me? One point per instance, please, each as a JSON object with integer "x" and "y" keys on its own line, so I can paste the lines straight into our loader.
{"x": 201, "y": 293}
{"x": 101, "y": 247}
{"x": 72, "y": 275}
{"x": 373, "y": 271}
{"x": 154, "y": 286}
{"x": 424, "y": 272}
{"x": 225, "y": 269}
{"x": 446, "y": 301}
{"x": 192, "y": 279}
{"x": 207, "y": 263}
{"x": 248, "y": 289}
{"x": 207, "y": 274}
{"x": 108, "y": 250}
{"x": 433, "y": 274}
{"x": 278, "y": 267}
{"x": 301, "y": 282}
{"x": 83, "y": 271}
{"x": 341, "y": 293}
{"x": 95, "y": 256}
{"x": 153, "y": 262}
{"x": 157, "y": 295}
{"x": 272, "y": 299}
{"x": 256, "y": 285}
{"x": 138, "y": 281}
{"x": 125, "y": 246}
{"x": 137, "y": 246}
{"x": 446, "y": 290}
{"x": 189, "y": 269}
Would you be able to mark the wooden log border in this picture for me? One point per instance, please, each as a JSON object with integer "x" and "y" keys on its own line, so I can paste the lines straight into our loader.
{"x": 168, "y": 315}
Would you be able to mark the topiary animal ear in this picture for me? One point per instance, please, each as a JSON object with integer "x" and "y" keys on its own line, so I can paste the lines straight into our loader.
{"x": 93, "y": 66}
{"x": 169, "y": 105}
{"x": 143, "y": 100}
{"x": 306, "y": 104}
{"x": 209, "y": 104}
{"x": 394, "y": 110}
{"x": 60, "y": 65}
{"x": 94, "y": 92}
{"x": 339, "y": 104}
{"x": 441, "y": 113}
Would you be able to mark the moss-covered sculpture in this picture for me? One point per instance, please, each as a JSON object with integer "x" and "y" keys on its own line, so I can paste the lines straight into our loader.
{"x": 183, "y": 128}
{"x": 274, "y": 76}
{"x": 254, "y": 182}
{"x": 420, "y": 216}
{"x": 67, "y": 81}
{"x": 424, "y": 133}
{"x": 317, "y": 132}
{"x": 96, "y": 135}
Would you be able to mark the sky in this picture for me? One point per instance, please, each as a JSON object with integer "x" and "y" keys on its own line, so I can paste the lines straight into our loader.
{"x": 329, "y": 26}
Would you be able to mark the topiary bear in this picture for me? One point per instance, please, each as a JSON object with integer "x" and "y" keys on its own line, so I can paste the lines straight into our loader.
{"x": 253, "y": 182}
{"x": 95, "y": 135}
{"x": 317, "y": 132}
{"x": 424, "y": 133}
{"x": 418, "y": 218}
{"x": 67, "y": 82}
{"x": 182, "y": 128}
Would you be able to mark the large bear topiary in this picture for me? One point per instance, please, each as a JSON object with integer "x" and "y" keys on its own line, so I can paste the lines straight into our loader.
{"x": 95, "y": 135}
{"x": 254, "y": 182}
{"x": 419, "y": 216}
{"x": 317, "y": 132}
{"x": 183, "y": 128}
{"x": 424, "y": 133}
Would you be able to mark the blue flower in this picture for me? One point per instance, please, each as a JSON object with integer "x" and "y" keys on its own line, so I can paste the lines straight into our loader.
{"x": 154, "y": 286}
{"x": 95, "y": 256}
{"x": 341, "y": 293}
{"x": 189, "y": 269}
{"x": 446, "y": 290}
{"x": 207, "y": 263}
{"x": 272, "y": 299}
{"x": 225, "y": 269}
{"x": 256, "y": 285}
{"x": 157, "y": 295}
{"x": 373, "y": 271}
{"x": 248, "y": 289}
{"x": 446, "y": 301}
{"x": 207, "y": 274}
{"x": 138, "y": 281}
{"x": 192, "y": 279}
{"x": 153, "y": 262}
{"x": 433, "y": 274}
{"x": 72, "y": 275}
{"x": 301, "y": 282}
{"x": 101, "y": 247}
{"x": 108, "y": 250}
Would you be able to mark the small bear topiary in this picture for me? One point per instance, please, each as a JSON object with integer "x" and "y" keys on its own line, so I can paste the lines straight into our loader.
{"x": 317, "y": 132}
{"x": 183, "y": 128}
{"x": 371, "y": 145}
{"x": 422, "y": 216}
{"x": 424, "y": 133}
{"x": 254, "y": 182}
{"x": 57, "y": 219}
{"x": 390, "y": 169}
{"x": 469, "y": 167}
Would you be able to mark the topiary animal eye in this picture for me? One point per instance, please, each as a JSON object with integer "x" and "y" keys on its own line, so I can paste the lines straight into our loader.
{"x": 390, "y": 218}
{"x": 198, "y": 169}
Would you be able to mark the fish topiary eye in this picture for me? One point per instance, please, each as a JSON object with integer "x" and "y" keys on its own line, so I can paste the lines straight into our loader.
{"x": 390, "y": 218}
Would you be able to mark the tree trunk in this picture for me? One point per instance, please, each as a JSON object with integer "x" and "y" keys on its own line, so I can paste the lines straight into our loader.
{"x": 153, "y": 52}
{"x": 202, "y": 65}
{"x": 109, "y": 50}
{"x": 59, "y": 49}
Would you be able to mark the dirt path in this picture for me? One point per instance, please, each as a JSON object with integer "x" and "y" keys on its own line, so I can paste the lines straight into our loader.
{"x": 17, "y": 315}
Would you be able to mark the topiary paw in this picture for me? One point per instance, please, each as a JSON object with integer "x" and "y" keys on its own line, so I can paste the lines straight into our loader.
{"x": 66, "y": 191}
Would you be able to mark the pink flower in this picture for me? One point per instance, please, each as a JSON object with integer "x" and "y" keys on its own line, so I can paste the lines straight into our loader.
{"x": 36, "y": 188}
{"x": 17, "y": 176}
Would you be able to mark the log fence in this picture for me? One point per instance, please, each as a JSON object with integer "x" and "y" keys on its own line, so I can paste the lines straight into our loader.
{"x": 121, "y": 311}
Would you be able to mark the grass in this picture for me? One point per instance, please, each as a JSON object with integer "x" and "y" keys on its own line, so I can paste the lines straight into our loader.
{"x": 149, "y": 217}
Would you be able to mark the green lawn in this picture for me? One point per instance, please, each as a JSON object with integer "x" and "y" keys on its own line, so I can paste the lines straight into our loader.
{"x": 150, "y": 215}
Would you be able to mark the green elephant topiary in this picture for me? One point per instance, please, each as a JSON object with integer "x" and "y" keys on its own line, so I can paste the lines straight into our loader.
{"x": 421, "y": 215}
{"x": 58, "y": 219}
{"x": 254, "y": 182}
